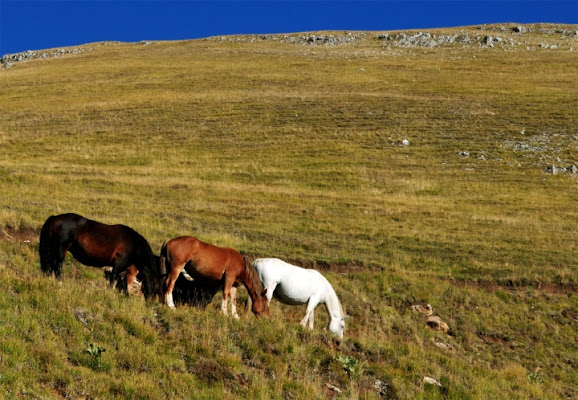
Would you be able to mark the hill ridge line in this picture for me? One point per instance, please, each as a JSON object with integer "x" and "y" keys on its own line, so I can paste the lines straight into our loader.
{"x": 410, "y": 38}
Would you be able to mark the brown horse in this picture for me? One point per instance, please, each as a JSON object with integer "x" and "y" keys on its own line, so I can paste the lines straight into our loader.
{"x": 98, "y": 245}
{"x": 186, "y": 290}
{"x": 210, "y": 265}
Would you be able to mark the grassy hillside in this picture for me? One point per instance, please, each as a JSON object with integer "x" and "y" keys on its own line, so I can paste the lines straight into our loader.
{"x": 411, "y": 167}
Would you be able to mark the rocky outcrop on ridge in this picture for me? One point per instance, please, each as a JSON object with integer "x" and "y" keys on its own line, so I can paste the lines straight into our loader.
{"x": 483, "y": 36}
{"x": 487, "y": 37}
{"x": 8, "y": 59}
{"x": 527, "y": 37}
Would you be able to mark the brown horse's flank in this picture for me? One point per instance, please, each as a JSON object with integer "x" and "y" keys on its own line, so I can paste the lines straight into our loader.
{"x": 211, "y": 265}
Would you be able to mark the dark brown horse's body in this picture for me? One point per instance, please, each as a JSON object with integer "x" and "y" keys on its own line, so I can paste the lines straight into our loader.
{"x": 210, "y": 265}
{"x": 98, "y": 245}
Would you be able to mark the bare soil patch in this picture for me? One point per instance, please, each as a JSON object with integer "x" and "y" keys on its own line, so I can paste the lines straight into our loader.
{"x": 548, "y": 288}
{"x": 24, "y": 234}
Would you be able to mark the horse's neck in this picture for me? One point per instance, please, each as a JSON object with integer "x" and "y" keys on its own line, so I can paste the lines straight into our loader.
{"x": 332, "y": 303}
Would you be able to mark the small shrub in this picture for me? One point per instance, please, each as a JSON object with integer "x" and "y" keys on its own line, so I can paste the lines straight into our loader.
{"x": 351, "y": 365}
{"x": 535, "y": 378}
{"x": 91, "y": 357}
{"x": 211, "y": 372}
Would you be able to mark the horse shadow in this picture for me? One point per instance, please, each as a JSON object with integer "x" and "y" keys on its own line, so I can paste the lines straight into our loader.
{"x": 185, "y": 292}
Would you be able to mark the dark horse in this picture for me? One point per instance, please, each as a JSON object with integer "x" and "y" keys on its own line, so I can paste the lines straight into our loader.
{"x": 211, "y": 266}
{"x": 98, "y": 245}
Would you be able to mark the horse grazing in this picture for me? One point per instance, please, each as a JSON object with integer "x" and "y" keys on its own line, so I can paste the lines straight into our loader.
{"x": 184, "y": 292}
{"x": 294, "y": 285}
{"x": 98, "y": 245}
{"x": 211, "y": 265}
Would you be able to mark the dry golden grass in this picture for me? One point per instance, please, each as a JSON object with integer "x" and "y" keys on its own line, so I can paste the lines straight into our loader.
{"x": 296, "y": 151}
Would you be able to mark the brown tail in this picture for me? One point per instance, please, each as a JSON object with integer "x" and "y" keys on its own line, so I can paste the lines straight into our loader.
{"x": 163, "y": 257}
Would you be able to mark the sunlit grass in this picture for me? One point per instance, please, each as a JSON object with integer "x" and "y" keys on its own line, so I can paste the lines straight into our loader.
{"x": 298, "y": 152}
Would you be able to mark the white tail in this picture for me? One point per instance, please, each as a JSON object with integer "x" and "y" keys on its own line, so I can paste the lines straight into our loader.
{"x": 186, "y": 275}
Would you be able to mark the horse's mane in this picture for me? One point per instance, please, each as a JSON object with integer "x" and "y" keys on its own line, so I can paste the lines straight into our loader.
{"x": 253, "y": 276}
{"x": 151, "y": 273}
{"x": 336, "y": 298}
{"x": 148, "y": 256}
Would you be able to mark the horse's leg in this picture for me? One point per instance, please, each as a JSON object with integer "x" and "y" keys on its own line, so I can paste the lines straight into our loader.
{"x": 311, "y": 304}
{"x": 311, "y": 318}
{"x": 270, "y": 288}
{"x": 224, "y": 304}
{"x": 226, "y": 294}
{"x": 119, "y": 267}
{"x": 116, "y": 266}
{"x": 56, "y": 266}
{"x": 227, "y": 286}
{"x": 130, "y": 275}
{"x": 170, "y": 284}
{"x": 234, "y": 302}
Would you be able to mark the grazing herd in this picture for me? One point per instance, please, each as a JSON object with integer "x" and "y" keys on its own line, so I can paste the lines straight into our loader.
{"x": 129, "y": 254}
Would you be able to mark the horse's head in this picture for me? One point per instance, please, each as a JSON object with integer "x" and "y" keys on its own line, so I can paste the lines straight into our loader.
{"x": 261, "y": 305}
{"x": 337, "y": 326}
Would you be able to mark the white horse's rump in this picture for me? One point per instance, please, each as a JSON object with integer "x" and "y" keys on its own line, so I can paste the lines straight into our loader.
{"x": 295, "y": 285}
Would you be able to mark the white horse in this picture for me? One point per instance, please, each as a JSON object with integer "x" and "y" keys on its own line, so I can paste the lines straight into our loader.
{"x": 294, "y": 285}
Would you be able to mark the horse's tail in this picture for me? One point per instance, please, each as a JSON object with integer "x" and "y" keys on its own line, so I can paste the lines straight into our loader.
{"x": 163, "y": 259}
{"x": 45, "y": 248}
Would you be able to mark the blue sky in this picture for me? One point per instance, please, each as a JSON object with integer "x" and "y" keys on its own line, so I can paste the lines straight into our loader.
{"x": 41, "y": 24}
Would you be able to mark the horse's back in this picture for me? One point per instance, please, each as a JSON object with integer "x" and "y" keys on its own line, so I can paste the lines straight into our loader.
{"x": 294, "y": 285}
{"x": 184, "y": 246}
{"x": 204, "y": 260}
{"x": 278, "y": 269}
{"x": 191, "y": 247}
{"x": 98, "y": 244}
{"x": 65, "y": 226}
{"x": 73, "y": 224}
